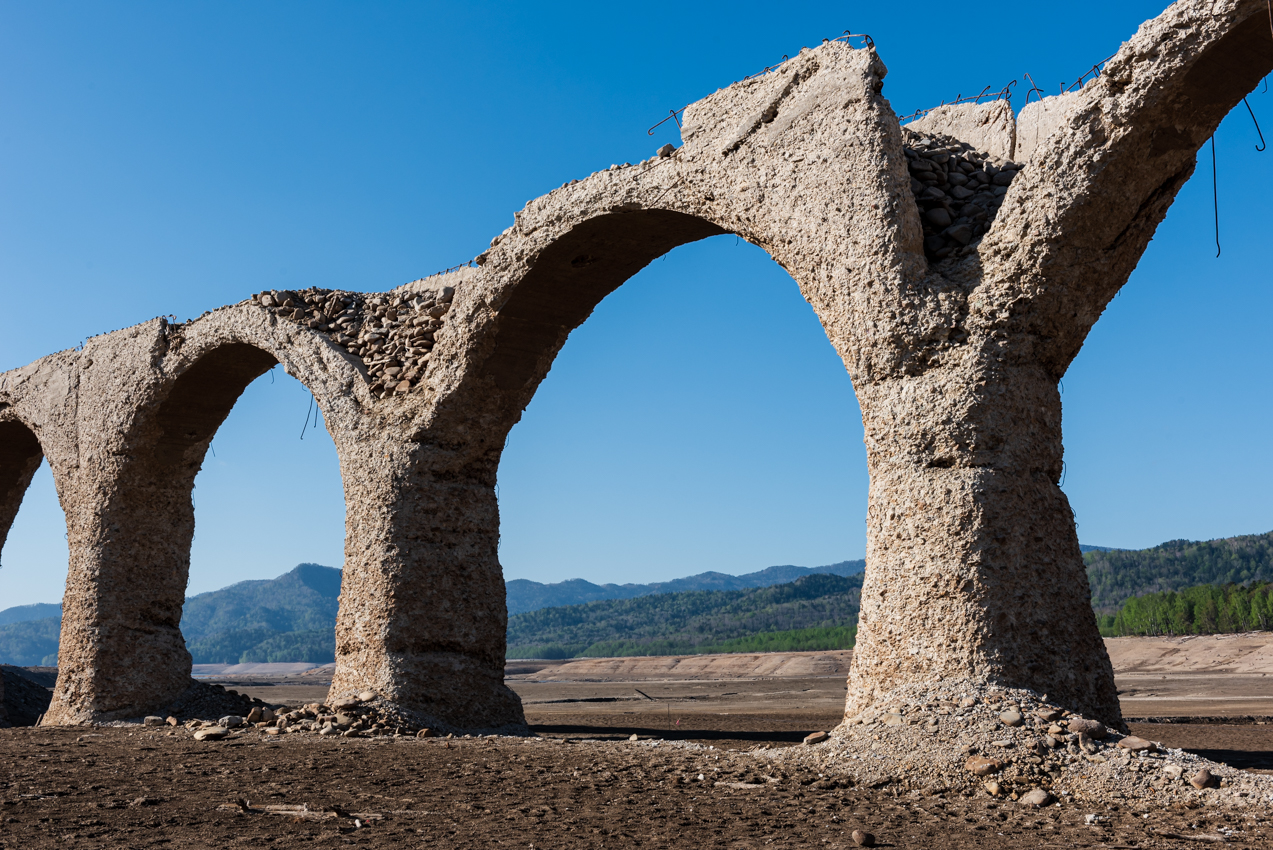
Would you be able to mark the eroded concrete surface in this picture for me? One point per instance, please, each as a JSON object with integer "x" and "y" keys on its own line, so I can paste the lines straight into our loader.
{"x": 973, "y": 567}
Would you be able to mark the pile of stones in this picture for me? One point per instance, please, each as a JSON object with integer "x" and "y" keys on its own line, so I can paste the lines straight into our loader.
{"x": 393, "y": 333}
{"x": 959, "y": 190}
{"x": 363, "y": 716}
{"x": 1014, "y": 744}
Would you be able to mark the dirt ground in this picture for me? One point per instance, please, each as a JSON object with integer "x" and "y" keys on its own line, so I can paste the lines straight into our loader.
{"x": 140, "y": 788}
{"x": 584, "y": 784}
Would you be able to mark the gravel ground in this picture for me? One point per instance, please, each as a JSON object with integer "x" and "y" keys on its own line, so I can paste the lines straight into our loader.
{"x": 138, "y": 787}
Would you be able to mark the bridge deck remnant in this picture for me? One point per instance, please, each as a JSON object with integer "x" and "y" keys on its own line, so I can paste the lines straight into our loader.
{"x": 974, "y": 573}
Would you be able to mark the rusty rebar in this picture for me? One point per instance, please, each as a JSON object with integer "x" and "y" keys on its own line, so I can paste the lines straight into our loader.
{"x": 1215, "y": 191}
{"x": 671, "y": 116}
{"x": 1261, "y": 146}
{"x": 1004, "y": 93}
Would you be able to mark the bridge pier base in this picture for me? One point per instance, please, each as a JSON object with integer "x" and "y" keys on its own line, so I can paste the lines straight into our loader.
{"x": 422, "y": 614}
{"x": 975, "y": 570}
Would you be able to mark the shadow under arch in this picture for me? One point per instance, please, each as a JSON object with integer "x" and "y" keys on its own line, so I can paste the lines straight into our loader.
{"x": 122, "y": 648}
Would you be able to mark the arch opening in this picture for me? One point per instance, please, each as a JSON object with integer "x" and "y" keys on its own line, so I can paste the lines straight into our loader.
{"x": 269, "y": 535}
{"x": 121, "y": 633}
{"x": 30, "y": 617}
{"x": 696, "y": 422}
{"x": 567, "y": 281}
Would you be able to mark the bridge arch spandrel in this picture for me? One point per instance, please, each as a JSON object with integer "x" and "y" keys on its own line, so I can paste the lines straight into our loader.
{"x": 122, "y": 653}
{"x": 804, "y": 162}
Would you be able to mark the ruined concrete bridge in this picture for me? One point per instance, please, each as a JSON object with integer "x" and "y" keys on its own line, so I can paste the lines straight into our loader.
{"x": 973, "y": 566}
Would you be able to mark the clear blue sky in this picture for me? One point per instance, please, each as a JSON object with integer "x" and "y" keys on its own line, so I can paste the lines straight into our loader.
{"x": 168, "y": 158}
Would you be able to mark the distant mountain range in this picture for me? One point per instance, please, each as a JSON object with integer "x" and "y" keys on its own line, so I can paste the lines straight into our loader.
{"x": 292, "y": 617}
{"x": 22, "y": 613}
{"x": 525, "y": 595}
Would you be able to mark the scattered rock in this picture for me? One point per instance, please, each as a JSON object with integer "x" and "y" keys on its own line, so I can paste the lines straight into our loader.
{"x": 635, "y": 737}
{"x": 1011, "y": 717}
{"x": 1204, "y": 779}
{"x": 982, "y": 766}
{"x": 367, "y": 696}
{"x": 152, "y": 720}
{"x": 892, "y": 718}
{"x": 1172, "y": 771}
{"x": 992, "y": 788}
{"x": 1094, "y": 728}
{"x": 211, "y": 733}
{"x": 230, "y": 721}
{"x": 1138, "y": 745}
{"x": 1037, "y": 798}
{"x": 863, "y": 839}
{"x": 815, "y": 738}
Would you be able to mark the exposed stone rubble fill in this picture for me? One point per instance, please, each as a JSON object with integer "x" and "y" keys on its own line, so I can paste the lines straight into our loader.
{"x": 959, "y": 190}
{"x": 392, "y": 333}
{"x": 204, "y": 699}
{"x": 362, "y": 716}
{"x": 1017, "y": 745}
{"x": 22, "y": 701}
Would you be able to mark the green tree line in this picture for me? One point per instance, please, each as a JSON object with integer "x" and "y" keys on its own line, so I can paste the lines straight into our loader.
{"x": 1202, "y": 610}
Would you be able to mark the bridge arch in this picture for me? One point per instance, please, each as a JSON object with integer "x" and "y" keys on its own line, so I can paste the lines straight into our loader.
{"x": 20, "y": 457}
{"x": 122, "y": 652}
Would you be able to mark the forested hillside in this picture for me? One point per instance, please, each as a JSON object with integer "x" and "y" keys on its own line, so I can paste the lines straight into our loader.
{"x": 290, "y": 618}
{"x": 813, "y": 611}
{"x": 1118, "y": 575}
{"x": 525, "y": 595}
{"x": 30, "y": 643}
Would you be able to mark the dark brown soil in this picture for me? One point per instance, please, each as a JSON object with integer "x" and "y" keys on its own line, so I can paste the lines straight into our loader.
{"x": 1248, "y": 746}
{"x": 111, "y": 788}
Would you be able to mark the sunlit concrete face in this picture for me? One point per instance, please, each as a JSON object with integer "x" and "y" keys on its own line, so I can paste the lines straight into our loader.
{"x": 973, "y": 566}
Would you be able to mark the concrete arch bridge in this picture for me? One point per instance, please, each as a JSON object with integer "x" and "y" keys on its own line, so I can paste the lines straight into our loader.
{"x": 955, "y": 340}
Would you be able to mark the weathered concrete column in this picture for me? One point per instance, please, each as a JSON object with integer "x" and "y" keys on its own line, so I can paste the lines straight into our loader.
{"x": 422, "y": 617}
{"x": 121, "y": 652}
{"x": 974, "y": 566}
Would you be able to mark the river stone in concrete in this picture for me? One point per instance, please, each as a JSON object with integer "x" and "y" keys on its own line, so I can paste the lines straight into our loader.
{"x": 974, "y": 577}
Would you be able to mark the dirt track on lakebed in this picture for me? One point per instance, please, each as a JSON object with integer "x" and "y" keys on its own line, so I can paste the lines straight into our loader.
{"x": 584, "y": 784}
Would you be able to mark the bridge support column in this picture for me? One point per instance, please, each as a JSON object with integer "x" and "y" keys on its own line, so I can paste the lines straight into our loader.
{"x": 422, "y": 612}
{"x": 121, "y": 653}
{"x": 974, "y": 569}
